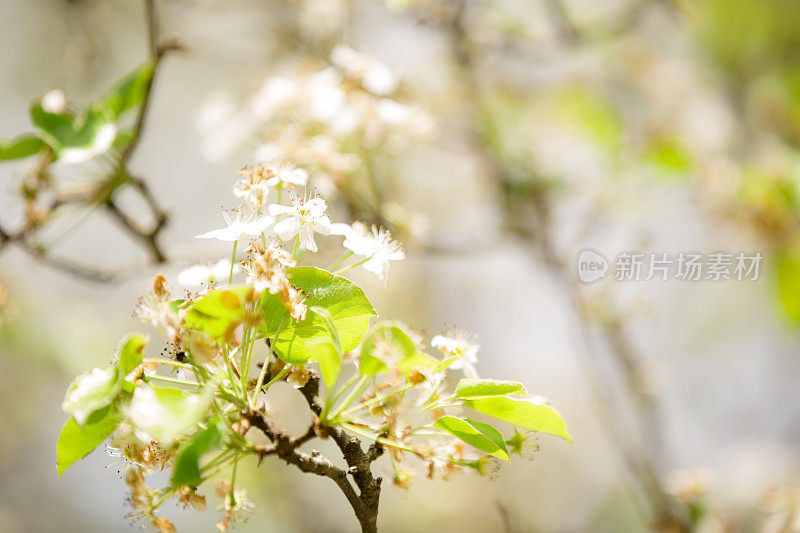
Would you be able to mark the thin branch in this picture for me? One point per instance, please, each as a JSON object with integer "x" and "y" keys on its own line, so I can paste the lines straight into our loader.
{"x": 315, "y": 463}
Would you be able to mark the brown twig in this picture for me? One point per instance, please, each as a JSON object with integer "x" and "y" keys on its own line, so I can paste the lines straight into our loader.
{"x": 365, "y": 502}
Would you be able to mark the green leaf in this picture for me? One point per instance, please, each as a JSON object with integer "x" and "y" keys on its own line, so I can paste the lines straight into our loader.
{"x": 419, "y": 361}
{"x": 478, "y": 435}
{"x": 330, "y": 362}
{"x": 166, "y": 413}
{"x": 386, "y": 343}
{"x": 486, "y": 388}
{"x": 218, "y": 313}
{"x": 90, "y": 392}
{"x": 523, "y": 413}
{"x": 348, "y": 308}
{"x": 328, "y": 354}
{"x": 128, "y": 92}
{"x": 83, "y": 136}
{"x": 130, "y": 353}
{"x": 76, "y": 442}
{"x": 21, "y": 146}
{"x": 186, "y": 470}
{"x": 787, "y": 282}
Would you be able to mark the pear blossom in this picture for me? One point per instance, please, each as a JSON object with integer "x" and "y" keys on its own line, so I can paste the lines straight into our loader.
{"x": 374, "y": 75}
{"x": 196, "y": 275}
{"x": 462, "y": 344}
{"x": 304, "y": 217}
{"x": 238, "y": 225}
{"x": 374, "y": 243}
{"x": 258, "y": 181}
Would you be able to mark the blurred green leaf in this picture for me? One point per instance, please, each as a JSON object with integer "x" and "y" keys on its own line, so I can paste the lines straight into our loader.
{"x": 21, "y": 146}
{"x": 90, "y": 392}
{"x": 84, "y": 135}
{"x": 130, "y": 353}
{"x": 670, "y": 157}
{"x": 76, "y": 442}
{"x": 478, "y": 435}
{"x": 484, "y": 388}
{"x": 523, "y": 413}
{"x": 348, "y": 308}
{"x": 186, "y": 470}
{"x": 218, "y": 313}
{"x": 787, "y": 281}
{"x": 128, "y": 92}
{"x": 385, "y": 342}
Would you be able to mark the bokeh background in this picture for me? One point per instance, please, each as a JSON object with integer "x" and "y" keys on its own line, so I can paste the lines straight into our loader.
{"x": 544, "y": 127}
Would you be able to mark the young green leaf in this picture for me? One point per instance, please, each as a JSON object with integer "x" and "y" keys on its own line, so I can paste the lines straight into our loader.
{"x": 218, "y": 313}
{"x": 187, "y": 459}
{"x": 478, "y": 435}
{"x": 76, "y": 442}
{"x": 485, "y": 388}
{"x": 19, "y": 147}
{"x": 83, "y": 135}
{"x": 347, "y": 306}
{"x": 130, "y": 353}
{"x": 329, "y": 359}
{"x": 128, "y": 92}
{"x": 386, "y": 342}
{"x": 523, "y": 413}
{"x": 90, "y": 392}
{"x": 787, "y": 280}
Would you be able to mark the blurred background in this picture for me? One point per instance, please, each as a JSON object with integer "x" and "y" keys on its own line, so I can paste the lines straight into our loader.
{"x": 498, "y": 139}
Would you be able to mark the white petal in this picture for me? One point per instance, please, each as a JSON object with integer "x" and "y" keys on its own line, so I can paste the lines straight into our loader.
{"x": 307, "y": 239}
{"x": 287, "y": 228}
{"x": 277, "y": 209}
{"x": 224, "y": 234}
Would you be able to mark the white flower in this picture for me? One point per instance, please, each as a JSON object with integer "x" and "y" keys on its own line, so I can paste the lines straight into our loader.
{"x": 305, "y": 216}
{"x": 239, "y": 225}
{"x": 288, "y": 173}
{"x": 374, "y": 243}
{"x": 374, "y": 75}
{"x": 462, "y": 344}
{"x": 196, "y": 275}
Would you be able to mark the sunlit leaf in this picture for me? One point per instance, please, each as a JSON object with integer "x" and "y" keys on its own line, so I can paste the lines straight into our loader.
{"x": 478, "y": 435}
{"x": 385, "y": 343}
{"x": 485, "y": 388}
{"x": 90, "y": 392}
{"x": 186, "y": 470}
{"x": 218, "y": 313}
{"x": 130, "y": 353}
{"x": 348, "y": 308}
{"x": 523, "y": 413}
{"x": 76, "y": 442}
{"x": 787, "y": 281}
{"x": 330, "y": 362}
{"x": 19, "y": 147}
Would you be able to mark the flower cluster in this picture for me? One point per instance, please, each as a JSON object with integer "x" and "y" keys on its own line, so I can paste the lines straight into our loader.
{"x": 334, "y": 118}
{"x": 361, "y": 379}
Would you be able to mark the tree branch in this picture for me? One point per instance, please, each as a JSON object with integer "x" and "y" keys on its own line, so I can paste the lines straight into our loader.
{"x": 285, "y": 447}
